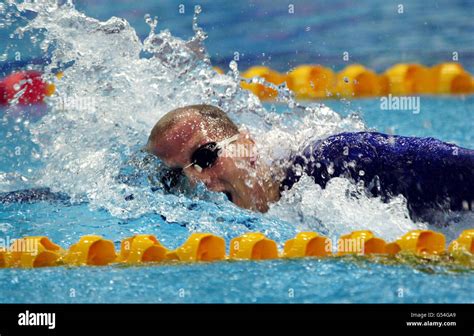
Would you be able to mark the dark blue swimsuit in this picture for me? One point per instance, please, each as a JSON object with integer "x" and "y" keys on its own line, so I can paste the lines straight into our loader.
{"x": 428, "y": 172}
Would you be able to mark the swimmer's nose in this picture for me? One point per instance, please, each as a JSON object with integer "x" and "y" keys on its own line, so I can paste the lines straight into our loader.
{"x": 210, "y": 181}
{"x": 214, "y": 184}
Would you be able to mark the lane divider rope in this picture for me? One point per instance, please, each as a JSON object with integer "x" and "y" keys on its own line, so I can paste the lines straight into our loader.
{"x": 94, "y": 250}
{"x": 318, "y": 82}
{"x": 307, "y": 81}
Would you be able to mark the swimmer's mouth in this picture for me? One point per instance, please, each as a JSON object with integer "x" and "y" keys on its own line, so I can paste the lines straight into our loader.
{"x": 229, "y": 195}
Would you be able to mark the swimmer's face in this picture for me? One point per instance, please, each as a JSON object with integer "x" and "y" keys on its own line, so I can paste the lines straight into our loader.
{"x": 235, "y": 172}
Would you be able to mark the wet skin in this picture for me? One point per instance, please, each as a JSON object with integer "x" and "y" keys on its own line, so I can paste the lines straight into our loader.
{"x": 245, "y": 180}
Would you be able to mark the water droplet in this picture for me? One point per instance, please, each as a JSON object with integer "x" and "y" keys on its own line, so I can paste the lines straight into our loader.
{"x": 233, "y": 66}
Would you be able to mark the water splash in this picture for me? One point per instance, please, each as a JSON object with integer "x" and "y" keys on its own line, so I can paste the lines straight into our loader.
{"x": 130, "y": 84}
{"x": 342, "y": 206}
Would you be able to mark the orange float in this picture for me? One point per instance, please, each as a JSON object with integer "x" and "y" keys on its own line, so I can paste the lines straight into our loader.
{"x": 357, "y": 81}
{"x": 91, "y": 250}
{"x": 422, "y": 242}
{"x": 200, "y": 247}
{"x": 254, "y": 246}
{"x": 360, "y": 242}
{"x": 451, "y": 78}
{"x": 269, "y": 75}
{"x": 465, "y": 242}
{"x": 406, "y": 79}
{"x": 34, "y": 252}
{"x": 312, "y": 81}
{"x": 308, "y": 244}
{"x": 141, "y": 248}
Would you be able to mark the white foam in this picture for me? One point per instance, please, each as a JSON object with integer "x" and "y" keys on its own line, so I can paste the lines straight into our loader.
{"x": 342, "y": 207}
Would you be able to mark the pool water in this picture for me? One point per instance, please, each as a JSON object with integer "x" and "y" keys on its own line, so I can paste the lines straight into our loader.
{"x": 302, "y": 281}
{"x": 86, "y": 156}
{"x": 372, "y": 31}
{"x": 306, "y": 280}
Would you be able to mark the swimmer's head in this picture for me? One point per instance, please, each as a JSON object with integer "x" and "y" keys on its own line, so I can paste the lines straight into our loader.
{"x": 208, "y": 147}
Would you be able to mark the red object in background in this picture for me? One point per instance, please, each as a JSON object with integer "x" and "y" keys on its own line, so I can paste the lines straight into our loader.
{"x": 35, "y": 87}
{"x": 3, "y": 94}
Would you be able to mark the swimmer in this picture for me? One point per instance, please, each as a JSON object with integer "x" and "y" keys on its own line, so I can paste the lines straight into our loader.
{"x": 429, "y": 173}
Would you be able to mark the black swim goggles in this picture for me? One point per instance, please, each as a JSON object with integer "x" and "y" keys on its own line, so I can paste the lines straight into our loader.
{"x": 203, "y": 157}
{"x": 206, "y": 155}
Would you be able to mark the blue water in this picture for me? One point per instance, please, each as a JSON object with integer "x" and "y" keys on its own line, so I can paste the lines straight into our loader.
{"x": 447, "y": 118}
{"x": 262, "y": 32}
{"x": 270, "y": 281}
{"x": 265, "y": 281}
{"x": 371, "y": 31}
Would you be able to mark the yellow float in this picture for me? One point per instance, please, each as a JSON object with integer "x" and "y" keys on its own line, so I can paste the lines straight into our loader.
{"x": 308, "y": 244}
{"x": 218, "y": 70}
{"x": 260, "y": 90}
{"x": 464, "y": 242}
{"x": 392, "y": 248}
{"x": 357, "y": 81}
{"x": 360, "y": 242}
{"x": 406, "y": 79}
{"x": 39, "y": 251}
{"x": 311, "y": 81}
{"x": 451, "y": 78}
{"x": 318, "y": 82}
{"x": 91, "y": 250}
{"x": 200, "y": 247}
{"x": 253, "y": 246}
{"x": 33, "y": 252}
{"x": 422, "y": 242}
{"x": 3, "y": 259}
{"x": 141, "y": 248}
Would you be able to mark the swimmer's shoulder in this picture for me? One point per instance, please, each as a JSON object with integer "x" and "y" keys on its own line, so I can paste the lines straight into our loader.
{"x": 341, "y": 143}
